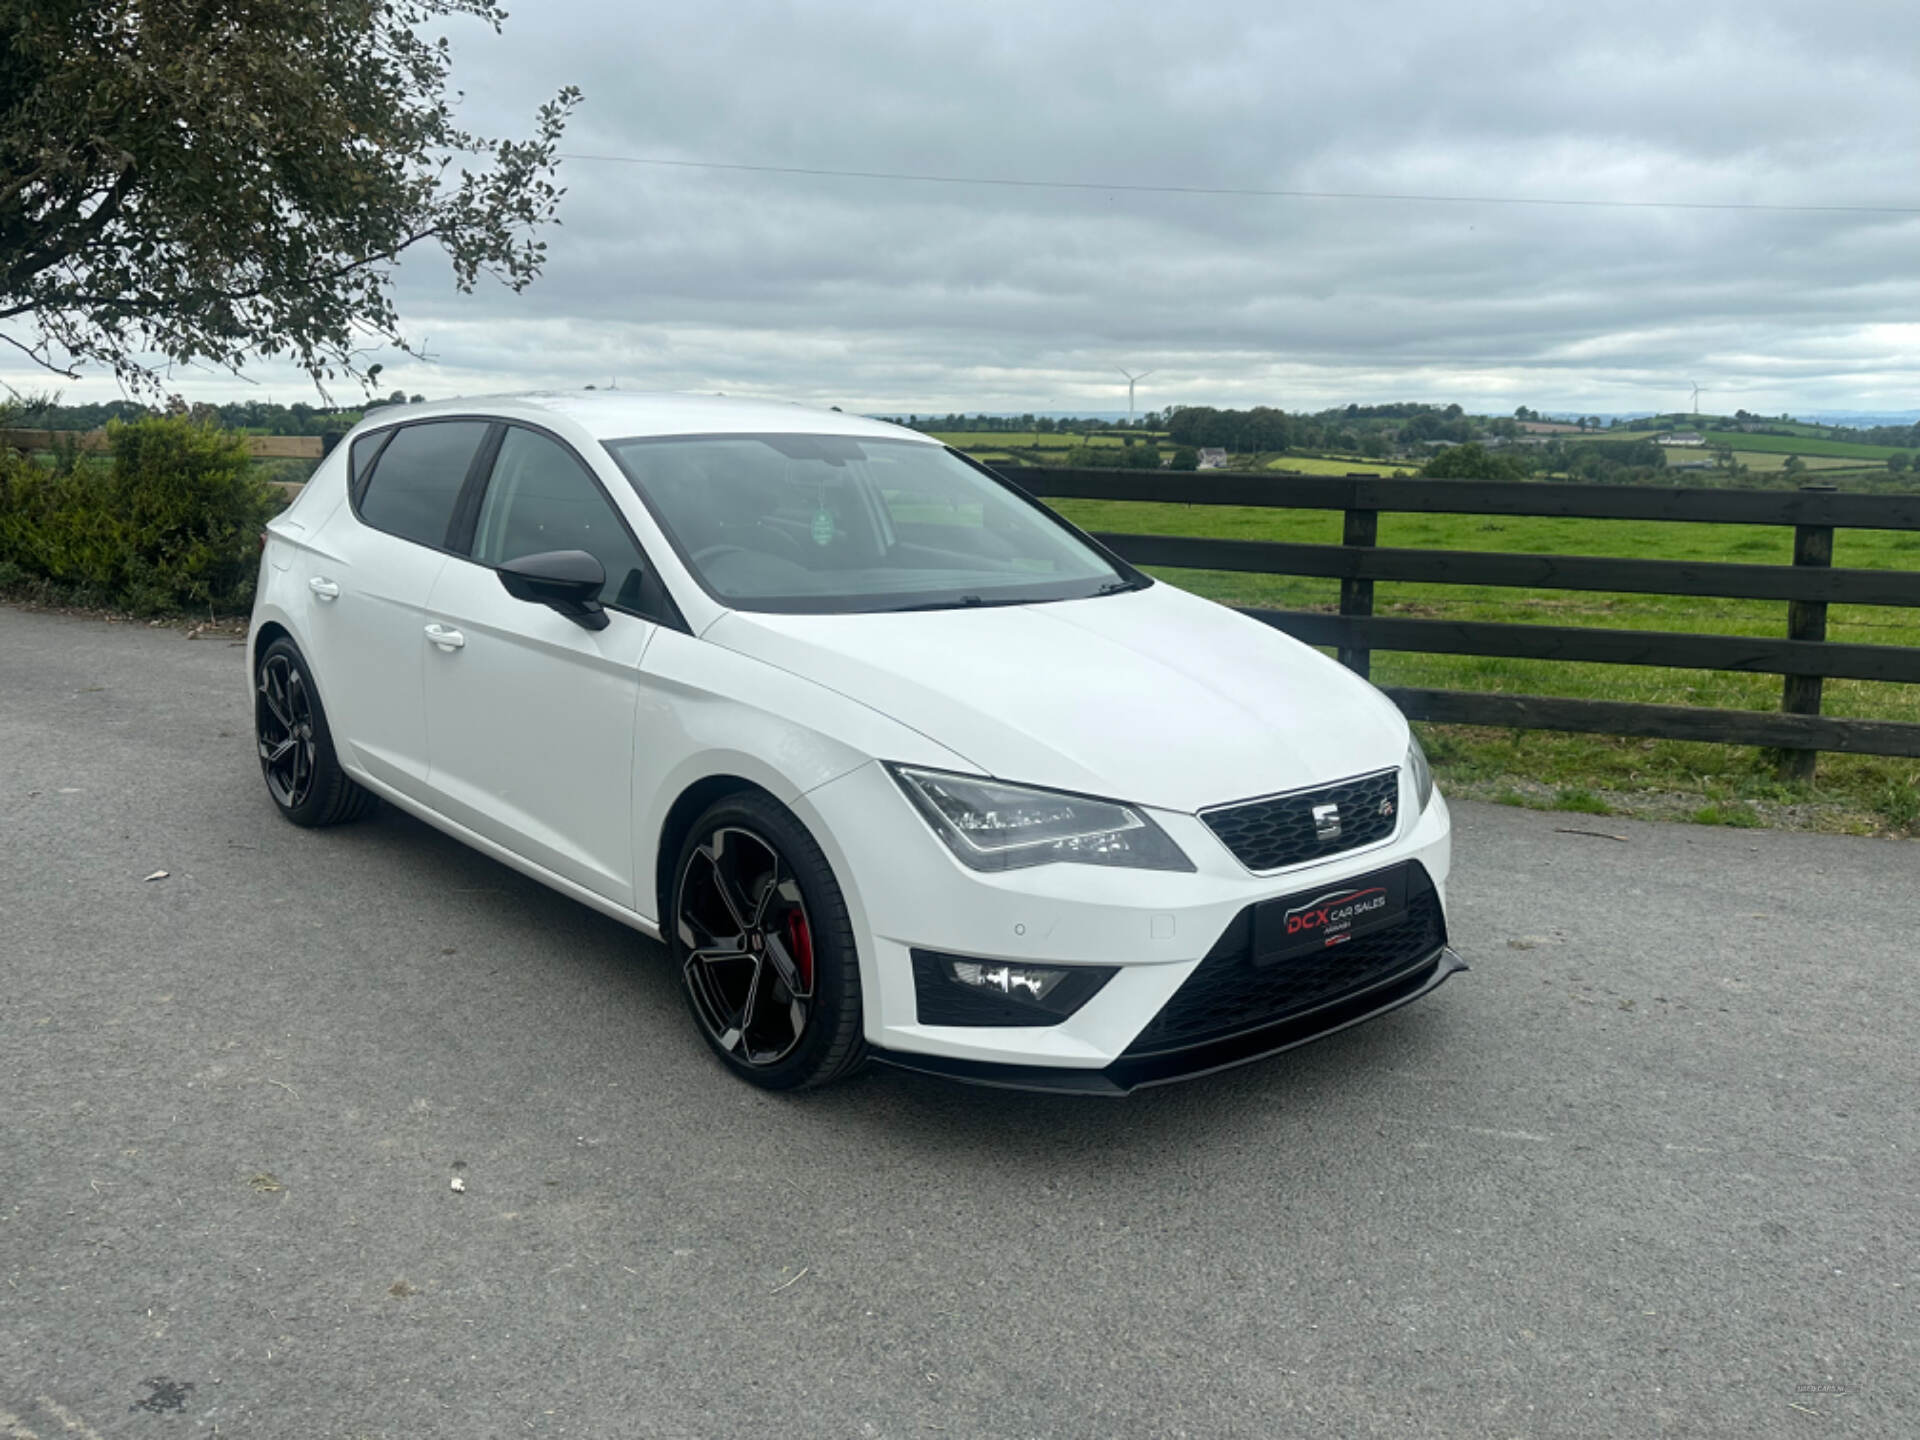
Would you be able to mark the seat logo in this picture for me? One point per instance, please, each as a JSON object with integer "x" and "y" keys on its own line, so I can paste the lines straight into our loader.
{"x": 1326, "y": 822}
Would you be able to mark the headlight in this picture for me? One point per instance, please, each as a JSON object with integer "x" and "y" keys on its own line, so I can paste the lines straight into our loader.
{"x": 1422, "y": 774}
{"x": 991, "y": 826}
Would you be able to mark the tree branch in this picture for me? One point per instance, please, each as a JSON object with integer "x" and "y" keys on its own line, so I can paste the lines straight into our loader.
{"x": 40, "y": 360}
{"x": 70, "y": 238}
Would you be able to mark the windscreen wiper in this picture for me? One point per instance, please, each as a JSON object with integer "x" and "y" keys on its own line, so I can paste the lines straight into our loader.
{"x": 963, "y": 602}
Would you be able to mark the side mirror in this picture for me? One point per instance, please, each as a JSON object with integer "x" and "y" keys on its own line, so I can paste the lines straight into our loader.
{"x": 569, "y": 581}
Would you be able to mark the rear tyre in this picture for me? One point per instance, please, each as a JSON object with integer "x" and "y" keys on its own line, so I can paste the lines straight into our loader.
{"x": 297, "y": 758}
{"x": 765, "y": 949}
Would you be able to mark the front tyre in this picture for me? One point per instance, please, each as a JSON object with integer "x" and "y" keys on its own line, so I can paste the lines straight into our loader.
{"x": 764, "y": 946}
{"x": 297, "y": 759}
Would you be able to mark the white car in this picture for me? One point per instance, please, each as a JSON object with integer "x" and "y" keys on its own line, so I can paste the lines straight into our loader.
{"x": 896, "y": 762}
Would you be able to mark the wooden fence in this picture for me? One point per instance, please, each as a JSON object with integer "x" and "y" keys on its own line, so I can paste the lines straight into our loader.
{"x": 1803, "y": 656}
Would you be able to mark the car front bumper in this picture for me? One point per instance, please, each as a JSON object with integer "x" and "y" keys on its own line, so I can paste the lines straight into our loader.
{"x": 1131, "y": 1072}
{"x": 1157, "y": 929}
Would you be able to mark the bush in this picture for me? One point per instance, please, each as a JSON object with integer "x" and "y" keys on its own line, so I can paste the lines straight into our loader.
{"x": 1473, "y": 462}
{"x": 167, "y": 521}
{"x": 1096, "y": 457}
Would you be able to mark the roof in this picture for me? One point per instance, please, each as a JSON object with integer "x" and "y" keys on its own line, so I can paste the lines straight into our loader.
{"x": 619, "y": 414}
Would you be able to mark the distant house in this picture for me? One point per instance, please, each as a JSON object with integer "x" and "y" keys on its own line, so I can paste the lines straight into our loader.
{"x": 1683, "y": 437}
{"x": 1548, "y": 427}
{"x": 1212, "y": 458}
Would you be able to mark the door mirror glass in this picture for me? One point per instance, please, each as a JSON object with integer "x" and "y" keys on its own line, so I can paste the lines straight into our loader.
{"x": 569, "y": 581}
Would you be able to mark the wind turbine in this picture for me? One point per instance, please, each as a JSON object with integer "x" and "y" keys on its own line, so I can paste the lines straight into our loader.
{"x": 1131, "y": 381}
{"x": 1696, "y": 395}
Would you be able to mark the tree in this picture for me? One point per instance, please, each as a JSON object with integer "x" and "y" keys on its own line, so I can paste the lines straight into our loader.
{"x": 1899, "y": 462}
{"x": 203, "y": 184}
{"x": 1473, "y": 462}
{"x": 1185, "y": 457}
{"x": 1794, "y": 465}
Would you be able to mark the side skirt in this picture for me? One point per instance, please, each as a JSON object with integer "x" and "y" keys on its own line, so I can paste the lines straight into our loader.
{"x": 512, "y": 861}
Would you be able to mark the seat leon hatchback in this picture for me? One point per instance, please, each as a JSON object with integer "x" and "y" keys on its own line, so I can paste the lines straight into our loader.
{"x": 895, "y": 762}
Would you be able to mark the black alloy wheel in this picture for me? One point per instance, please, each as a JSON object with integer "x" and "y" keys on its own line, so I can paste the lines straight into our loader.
{"x": 295, "y": 746}
{"x": 283, "y": 716}
{"x": 765, "y": 949}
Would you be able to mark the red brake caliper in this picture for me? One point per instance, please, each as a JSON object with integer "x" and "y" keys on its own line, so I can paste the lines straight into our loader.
{"x": 800, "y": 942}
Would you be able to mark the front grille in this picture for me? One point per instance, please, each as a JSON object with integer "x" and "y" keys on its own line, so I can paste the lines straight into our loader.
{"x": 1275, "y": 833}
{"x": 1227, "y": 994}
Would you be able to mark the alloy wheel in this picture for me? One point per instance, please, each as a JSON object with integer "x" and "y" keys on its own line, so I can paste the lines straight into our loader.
{"x": 283, "y": 722}
{"x": 748, "y": 944}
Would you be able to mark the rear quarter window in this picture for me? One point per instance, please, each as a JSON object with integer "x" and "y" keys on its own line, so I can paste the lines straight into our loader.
{"x": 417, "y": 478}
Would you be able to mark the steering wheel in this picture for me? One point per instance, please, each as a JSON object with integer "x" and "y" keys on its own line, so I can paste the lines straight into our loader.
{"x": 713, "y": 552}
{"x": 784, "y": 544}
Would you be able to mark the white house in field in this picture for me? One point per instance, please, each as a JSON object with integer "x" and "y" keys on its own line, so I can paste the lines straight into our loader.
{"x": 1683, "y": 437}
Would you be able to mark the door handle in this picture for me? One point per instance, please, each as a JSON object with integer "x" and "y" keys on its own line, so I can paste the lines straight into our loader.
{"x": 325, "y": 589}
{"x": 446, "y": 638}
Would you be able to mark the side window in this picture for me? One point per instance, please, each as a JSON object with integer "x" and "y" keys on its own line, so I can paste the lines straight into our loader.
{"x": 542, "y": 498}
{"x": 418, "y": 477}
{"x": 360, "y": 460}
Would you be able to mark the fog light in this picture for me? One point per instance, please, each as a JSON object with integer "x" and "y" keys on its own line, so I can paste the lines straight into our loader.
{"x": 1029, "y": 981}
{"x": 958, "y": 990}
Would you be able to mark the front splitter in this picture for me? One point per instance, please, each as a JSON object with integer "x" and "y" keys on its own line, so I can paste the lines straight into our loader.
{"x": 1135, "y": 1072}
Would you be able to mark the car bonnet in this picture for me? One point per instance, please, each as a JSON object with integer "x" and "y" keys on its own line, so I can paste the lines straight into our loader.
{"x": 1153, "y": 696}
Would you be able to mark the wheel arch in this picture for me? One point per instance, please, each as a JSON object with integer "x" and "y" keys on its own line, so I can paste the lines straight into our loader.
{"x": 264, "y": 635}
{"x": 687, "y": 807}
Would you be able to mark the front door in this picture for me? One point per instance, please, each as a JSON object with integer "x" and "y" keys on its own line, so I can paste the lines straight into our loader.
{"x": 530, "y": 716}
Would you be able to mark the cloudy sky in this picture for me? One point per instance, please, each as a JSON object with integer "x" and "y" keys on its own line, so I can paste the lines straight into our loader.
{"x": 899, "y": 294}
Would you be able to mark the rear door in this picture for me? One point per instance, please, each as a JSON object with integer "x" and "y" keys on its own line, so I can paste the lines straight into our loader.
{"x": 370, "y": 570}
{"x": 530, "y": 716}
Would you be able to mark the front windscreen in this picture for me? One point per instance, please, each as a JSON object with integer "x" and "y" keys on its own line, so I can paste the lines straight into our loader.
{"x": 827, "y": 523}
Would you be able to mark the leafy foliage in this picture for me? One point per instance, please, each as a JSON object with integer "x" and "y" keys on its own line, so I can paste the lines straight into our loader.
{"x": 1202, "y": 426}
{"x": 168, "y": 520}
{"x": 207, "y": 182}
{"x": 1114, "y": 457}
{"x": 1473, "y": 462}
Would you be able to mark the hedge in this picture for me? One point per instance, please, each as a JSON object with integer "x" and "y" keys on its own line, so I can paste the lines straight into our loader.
{"x": 167, "y": 520}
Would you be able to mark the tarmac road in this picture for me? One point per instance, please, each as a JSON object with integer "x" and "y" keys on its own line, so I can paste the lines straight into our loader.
{"x": 1650, "y": 1169}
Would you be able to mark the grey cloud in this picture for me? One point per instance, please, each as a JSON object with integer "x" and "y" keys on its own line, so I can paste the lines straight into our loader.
{"x": 897, "y": 295}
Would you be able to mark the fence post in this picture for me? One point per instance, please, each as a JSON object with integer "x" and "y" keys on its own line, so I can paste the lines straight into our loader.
{"x": 1361, "y": 528}
{"x": 1806, "y": 620}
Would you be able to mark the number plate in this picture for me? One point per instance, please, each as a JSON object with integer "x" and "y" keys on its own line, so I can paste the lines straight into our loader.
{"x": 1322, "y": 919}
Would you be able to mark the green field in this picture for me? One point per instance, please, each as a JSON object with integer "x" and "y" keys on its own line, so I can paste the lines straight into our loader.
{"x": 1711, "y": 782}
{"x": 1314, "y": 465}
{"x": 1798, "y": 445}
{"x": 1768, "y": 461}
